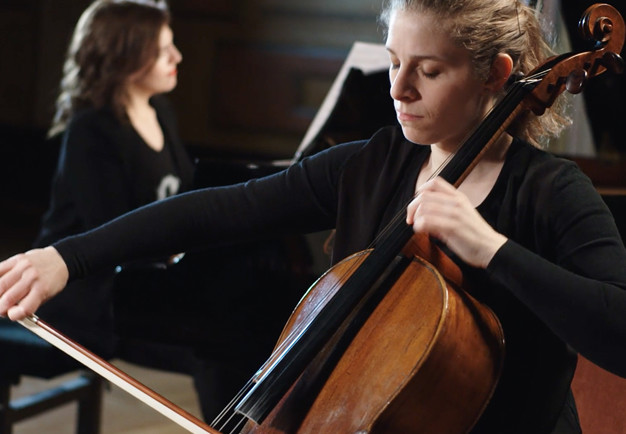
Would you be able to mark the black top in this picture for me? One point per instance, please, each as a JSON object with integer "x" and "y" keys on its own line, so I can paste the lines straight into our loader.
{"x": 558, "y": 285}
{"x": 105, "y": 169}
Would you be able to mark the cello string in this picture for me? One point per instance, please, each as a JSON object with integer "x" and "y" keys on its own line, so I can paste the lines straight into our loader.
{"x": 228, "y": 412}
{"x": 489, "y": 134}
{"x": 383, "y": 234}
{"x": 515, "y": 86}
{"x": 239, "y": 426}
{"x": 400, "y": 215}
{"x": 294, "y": 334}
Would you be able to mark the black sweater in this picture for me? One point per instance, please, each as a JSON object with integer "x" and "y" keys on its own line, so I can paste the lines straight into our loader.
{"x": 558, "y": 285}
{"x": 105, "y": 169}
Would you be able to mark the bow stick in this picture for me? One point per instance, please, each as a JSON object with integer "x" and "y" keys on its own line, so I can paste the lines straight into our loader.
{"x": 116, "y": 376}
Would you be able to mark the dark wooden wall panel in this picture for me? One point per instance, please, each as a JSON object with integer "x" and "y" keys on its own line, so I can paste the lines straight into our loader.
{"x": 255, "y": 72}
{"x": 18, "y": 51}
{"x": 264, "y": 89}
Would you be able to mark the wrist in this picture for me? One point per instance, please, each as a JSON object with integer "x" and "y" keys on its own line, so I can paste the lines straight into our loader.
{"x": 494, "y": 243}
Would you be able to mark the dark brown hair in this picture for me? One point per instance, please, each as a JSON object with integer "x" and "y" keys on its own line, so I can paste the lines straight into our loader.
{"x": 112, "y": 40}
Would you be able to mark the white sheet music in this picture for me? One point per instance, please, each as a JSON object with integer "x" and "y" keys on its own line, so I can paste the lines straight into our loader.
{"x": 367, "y": 57}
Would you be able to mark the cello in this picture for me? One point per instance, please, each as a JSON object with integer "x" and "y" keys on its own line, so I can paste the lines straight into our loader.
{"x": 309, "y": 384}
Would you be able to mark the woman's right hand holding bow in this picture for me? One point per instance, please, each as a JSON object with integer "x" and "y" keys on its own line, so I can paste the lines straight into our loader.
{"x": 29, "y": 279}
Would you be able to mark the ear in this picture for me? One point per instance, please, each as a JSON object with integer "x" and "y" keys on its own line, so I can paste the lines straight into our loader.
{"x": 499, "y": 73}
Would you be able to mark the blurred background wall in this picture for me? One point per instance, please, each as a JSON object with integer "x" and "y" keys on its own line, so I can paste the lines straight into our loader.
{"x": 253, "y": 74}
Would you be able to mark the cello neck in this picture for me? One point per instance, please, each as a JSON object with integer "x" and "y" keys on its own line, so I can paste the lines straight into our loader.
{"x": 480, "y": 140}
{"x": 285, "y": 367}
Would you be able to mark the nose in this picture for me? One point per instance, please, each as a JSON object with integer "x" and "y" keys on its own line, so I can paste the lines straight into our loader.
{"x": 402, "y": 85}
{"x": 177, "y": 56}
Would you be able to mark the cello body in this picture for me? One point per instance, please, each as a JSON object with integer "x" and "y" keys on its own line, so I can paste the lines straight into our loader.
{"x": 425, "y": 360}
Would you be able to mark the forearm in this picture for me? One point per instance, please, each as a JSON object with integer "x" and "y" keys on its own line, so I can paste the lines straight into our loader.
{"x": 586, "y": 313}
{"x": 153, "y": 231}
{"x": 199, "y": 219}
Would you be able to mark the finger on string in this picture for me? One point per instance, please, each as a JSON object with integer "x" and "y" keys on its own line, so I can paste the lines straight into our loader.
{"x": 432, "y": 201}
{"x": 422, "y": 226}
{"x": 441, "y": 184}
{"x": 436, "y": 220}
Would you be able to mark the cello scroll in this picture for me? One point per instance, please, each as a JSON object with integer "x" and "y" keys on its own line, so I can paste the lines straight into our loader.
{"x": 604, "y": 25}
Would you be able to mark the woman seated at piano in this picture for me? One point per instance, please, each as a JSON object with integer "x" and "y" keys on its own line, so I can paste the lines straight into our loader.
{"x": 533, "y": 238}
{"x": 120, "y": 147}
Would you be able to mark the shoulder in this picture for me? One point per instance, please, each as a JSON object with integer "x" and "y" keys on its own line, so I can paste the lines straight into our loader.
{"x": 91, "y": 124}
{"x": 545, "y": 171}
{"x": 553, "y": 188}
{"x": 92, "y": 129}
{"x": 92, "y": 117}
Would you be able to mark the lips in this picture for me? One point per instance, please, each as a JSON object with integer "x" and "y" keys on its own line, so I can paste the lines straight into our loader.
{"x": 403, "y": 116}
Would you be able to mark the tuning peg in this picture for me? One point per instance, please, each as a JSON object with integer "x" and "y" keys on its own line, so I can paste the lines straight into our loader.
{"x": 514, "y": 78}
{"x": 576, "y": 81}
{"x": 613, "y": 62}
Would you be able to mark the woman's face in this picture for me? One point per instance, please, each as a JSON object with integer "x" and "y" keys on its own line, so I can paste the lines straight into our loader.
{"x": 437, "y": 97}
{"x": 161, "y": 76}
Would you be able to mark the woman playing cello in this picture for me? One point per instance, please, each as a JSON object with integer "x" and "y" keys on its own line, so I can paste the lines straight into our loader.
{"x": 526, "y": 228}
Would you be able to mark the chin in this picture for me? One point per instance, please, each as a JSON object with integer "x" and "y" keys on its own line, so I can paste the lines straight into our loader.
{"x": 414, "y": 136}
{"x": 168, "y": 88}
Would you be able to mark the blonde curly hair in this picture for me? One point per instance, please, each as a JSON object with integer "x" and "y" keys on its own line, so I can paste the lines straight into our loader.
{"x": 486, "y": 28}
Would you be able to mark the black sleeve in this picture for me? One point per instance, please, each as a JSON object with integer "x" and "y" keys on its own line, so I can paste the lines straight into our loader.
{"x": 300, "y": 199}
{"x": 581, "y": 294}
